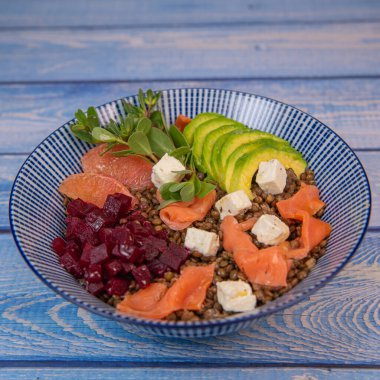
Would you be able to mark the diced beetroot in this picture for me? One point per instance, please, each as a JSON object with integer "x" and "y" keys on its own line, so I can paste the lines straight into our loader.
{"x": 69, "y": 262}
{"x": 77, "y": 228}
{"x": 138, "y": 230}
{"x": 93, "y": 273}
{"x": 117, "y": 286}
{"x": 96, "y": 219}
{"x": 127, "y": 267}
{"x": 122, "y": 235}
{"x": 58, "y": 246}
{"x": 85, "y": 257}
{"x": 136, "y": 216}
{"x": 174, "y": 256}
{"x": 113, "y": 267}
{"x": 73, "y": 249}
{"x": 151, "y": 253}
{"x": 153, "y": 243}
{"x": 157, "y": 268}
{"x": 95, "y": 288}
{"x": 142, "y": 276}
{"x": 105, "y": 236}
{"x": 98, "y": 254}
{"x": 117, "y": 205}
{"x": 79, "y": 208}
{"x": 131, "y": 254}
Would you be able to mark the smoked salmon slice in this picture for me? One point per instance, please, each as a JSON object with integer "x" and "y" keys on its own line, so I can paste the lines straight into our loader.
{"x": 132, "y": 171}
{"x": 264, "y": 267}
{"x": 180, "y": 215}
{"x": 157, "y": 301}
{"x": 306, "y": 199}
{"x": 92, "y": 188}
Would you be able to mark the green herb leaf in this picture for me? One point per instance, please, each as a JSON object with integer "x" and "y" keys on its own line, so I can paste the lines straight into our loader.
{"x": 187, "y": 192}
{"x": 166, "y": 203}
{"x": 167, "y": 194}
{"x": 84, "y": 136}
{"x": 144, "y": 125}
{"x": 102, "y": 135}
{"x": 139, "y": 143}
{"x": 141, "y": 98}
{"x": 81, "y": 117}
{"x": 180, "y": 152}
{"x": 160, "y": 142}
{"x": 109, "y": 147}
{"x": 92, "y": 118}
{"x": 197, "y": 184}
{"x": 205, "y": 189}
{"x": 177, "y": 186}
{"x": 157, "y": 119}
{"x": 113, "y": 127}
{"x": 177, "y": 136}
{"x": 123, "y": 153}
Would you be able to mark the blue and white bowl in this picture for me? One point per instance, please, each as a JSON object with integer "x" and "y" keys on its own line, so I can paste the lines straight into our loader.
{"x": 37, "y": 212}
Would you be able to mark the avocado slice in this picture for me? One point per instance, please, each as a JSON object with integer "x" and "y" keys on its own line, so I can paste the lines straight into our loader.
{"x": 194, "y": 124}
{"x": 233, "y": 142}
{"x": 200, "y": 135}
{"x": 247, "y": 164}
{"x": 209, "y": 143}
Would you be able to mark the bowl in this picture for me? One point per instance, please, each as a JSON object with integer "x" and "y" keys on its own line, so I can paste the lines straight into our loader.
{"x": 37, "y": 212}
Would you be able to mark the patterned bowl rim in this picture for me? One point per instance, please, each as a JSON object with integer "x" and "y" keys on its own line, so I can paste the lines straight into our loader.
{"x": 231, "y": 320}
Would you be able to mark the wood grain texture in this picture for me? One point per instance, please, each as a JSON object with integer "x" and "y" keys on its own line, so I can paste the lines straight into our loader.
{"x": 56, "y": 13}
{"x": 339, "y": 324}
{"x": 256, "y": 51}
{"x": 182, "y": 373}
{"x": 28, "y": 113}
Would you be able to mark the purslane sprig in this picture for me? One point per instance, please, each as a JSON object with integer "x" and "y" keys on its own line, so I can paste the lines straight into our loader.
{"x": 144, "y": 133}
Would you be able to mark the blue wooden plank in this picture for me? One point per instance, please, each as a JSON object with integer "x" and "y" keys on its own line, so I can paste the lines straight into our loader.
{"x": 248, "y": 51}
{"x": 56, "y": 13}
{"x": 182, "y": 373}
{"x": 28, "y": 113}
{"x": 337, "y": 325}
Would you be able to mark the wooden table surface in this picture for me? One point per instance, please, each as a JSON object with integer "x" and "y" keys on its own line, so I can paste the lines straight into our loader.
{"x": 321, "y": 56}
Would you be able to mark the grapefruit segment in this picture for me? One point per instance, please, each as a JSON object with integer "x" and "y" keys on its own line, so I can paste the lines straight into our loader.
{"x": 132, "y": 171}
{"x": 92, "y": 188}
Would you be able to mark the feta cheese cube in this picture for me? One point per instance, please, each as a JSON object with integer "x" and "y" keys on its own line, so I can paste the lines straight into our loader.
{"x": 235, "y": 296}
{"x": 163, "y": 171}
{"x": 270, "y": 230}
{"x": 233, "y": 203}
{"x": 202, "y": 241}
{"x": 271, "y": 176}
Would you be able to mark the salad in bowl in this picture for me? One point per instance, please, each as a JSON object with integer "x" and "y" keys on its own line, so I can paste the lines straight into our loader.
{"x": 194, "y": 221}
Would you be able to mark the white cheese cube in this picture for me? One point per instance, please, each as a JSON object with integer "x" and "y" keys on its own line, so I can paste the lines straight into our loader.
{"x": 233, "y": 203}
{"x": 270, "y": 230}
{"x": 202, "y": 241}
{"x": 271, "y": 176}
{"x": 163, "y": 171}
{"x": 235, "y": 296}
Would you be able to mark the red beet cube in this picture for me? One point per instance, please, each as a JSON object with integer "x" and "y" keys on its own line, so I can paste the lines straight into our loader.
{"x": 136, "y": 216}
{"x": 98, "y": 254}
{"x": 131, "y": 254}
{"x": 69, "y": 262}
{"x": 151, "y": 253}
{"x": 95, "y": 288}
{"x": 79, "y": 208}
{"x": 163, "y": 235}
{"x": 96, "y": 219}
{"x": 157, "y": 268}
{"x": 153, "y": 243}
{"x": 117, "y": 205}
{"x": 105, "y": 236}
{"x": 174, "y": 256}
{"x": 127, "y": 267}
{"x": 93, "y": 273}
{"x": 117, "y": 286}
{"x": 58, "y": 246}
{"x": 85, "y": 257}
{"x": 142, "y": 276}
{"x": 113, "y": 267}
{"x": 73, "y": 249}
{"x": 122, "y": 235}
{"x": 138, "y": 230}
{"x": 77, "y": 228}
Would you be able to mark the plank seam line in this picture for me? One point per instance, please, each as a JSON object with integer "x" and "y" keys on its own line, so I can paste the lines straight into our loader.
{"x": 173, "y": 365}
{"x": 181, "y": 25}
{"x": 195, "y": 79}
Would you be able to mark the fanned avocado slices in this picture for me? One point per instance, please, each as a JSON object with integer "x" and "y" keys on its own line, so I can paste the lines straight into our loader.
{"x": 240, "y": 172}
{"x": 194, "y": 124}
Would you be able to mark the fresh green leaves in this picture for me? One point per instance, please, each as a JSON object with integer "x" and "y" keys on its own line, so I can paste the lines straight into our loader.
{"x": 160, "y": 142}
{"x": 178, "y": 138}
{"x": 84, "y": 125}
{"x": 102, "y": 135}
{"x": 139, "y": 144}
